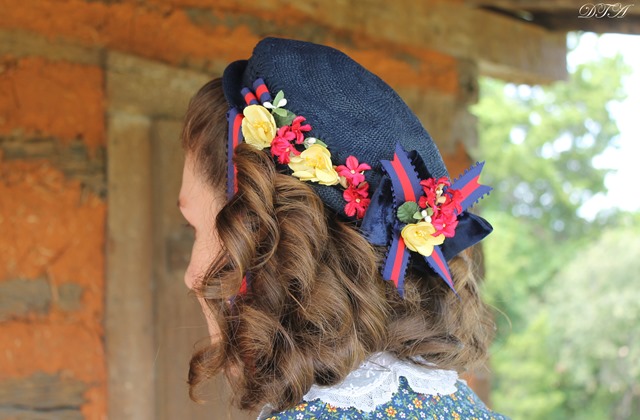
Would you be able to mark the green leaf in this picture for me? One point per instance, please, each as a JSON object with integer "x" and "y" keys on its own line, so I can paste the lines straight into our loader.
{"x": 417, "y": 215}
{"x": 321, "y": 143}
{"x": 284, "y": 118}
{"x": 407, "y": 210}
{"x": 278, "y": 98}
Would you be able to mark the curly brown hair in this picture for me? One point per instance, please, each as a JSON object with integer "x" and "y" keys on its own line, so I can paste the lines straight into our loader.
{"x": 317, "y": 305}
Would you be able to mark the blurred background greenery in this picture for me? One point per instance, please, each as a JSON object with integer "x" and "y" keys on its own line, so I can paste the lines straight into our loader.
{"x": 565, "y": 282}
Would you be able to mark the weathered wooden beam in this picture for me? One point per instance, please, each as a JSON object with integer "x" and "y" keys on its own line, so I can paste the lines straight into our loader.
{"x": 145, "y": 87}
{"x": 564, "y": 16}
{"x": 21, "y": 43}
{"x": 405, "y": 27}
{"x": 503, "y": 47}
{"x": 565, "y": 22}
{"x": 129, "y": 305}
{"x": 42, "y": 391}
{"x": 529, "y": 4}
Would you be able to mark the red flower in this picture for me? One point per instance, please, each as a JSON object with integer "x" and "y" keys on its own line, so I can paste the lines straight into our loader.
{"x": 452, "y": 204}
{"x": 445, "y": 205}
{"x": 297, "y": 129}
{"x": 445, "y": 217}
{"x": 357, "y": 201}
{"x": 281, "y": 145}
{"x": 428, "y": 200}
{"x": 445, "y": 224}
{"x": 285, "y": 133}
{"x": 352, "y": 171}
{"x": 432, "y": 183}
{"x": 430, "y": 187}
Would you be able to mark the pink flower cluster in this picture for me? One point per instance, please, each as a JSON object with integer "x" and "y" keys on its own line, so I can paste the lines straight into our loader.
{"x": 356, "y": 192}
{"x": 281, "y": 146}
{"x": 444, "y": 205}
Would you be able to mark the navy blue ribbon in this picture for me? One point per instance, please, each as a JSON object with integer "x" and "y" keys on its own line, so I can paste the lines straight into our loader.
{"x": 382, "y": 227}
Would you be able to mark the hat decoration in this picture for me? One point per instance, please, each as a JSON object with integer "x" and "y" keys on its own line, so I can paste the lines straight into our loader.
{"x": 426, "y": 214}
{"x": 426, "y": 211}
{"x": 265, "y": 123}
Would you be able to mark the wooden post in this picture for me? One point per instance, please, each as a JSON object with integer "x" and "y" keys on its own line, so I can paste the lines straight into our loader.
{"x": 129, "y": 314}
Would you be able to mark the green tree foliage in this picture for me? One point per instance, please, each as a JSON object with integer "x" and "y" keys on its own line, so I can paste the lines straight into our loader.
{"x": 539, "y": 144}
{"x": 578, "y": 357}
{"x": 526, "y": 384}
{"x": 594, "y": 309}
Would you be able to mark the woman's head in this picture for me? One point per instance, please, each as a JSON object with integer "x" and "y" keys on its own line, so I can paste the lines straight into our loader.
{"x": 316, "y": 304}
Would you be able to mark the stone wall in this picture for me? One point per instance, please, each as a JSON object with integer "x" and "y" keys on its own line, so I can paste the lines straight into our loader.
{"x": 92, "y": 89}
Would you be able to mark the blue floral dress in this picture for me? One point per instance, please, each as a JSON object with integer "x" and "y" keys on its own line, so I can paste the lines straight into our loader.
{"x": 436, "y": 402}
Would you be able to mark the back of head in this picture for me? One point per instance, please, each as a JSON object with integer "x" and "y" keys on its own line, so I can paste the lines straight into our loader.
{"x": 314, "y": 303}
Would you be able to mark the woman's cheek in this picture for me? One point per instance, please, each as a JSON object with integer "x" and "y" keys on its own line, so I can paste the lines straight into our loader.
{"x": 195, "y": 269}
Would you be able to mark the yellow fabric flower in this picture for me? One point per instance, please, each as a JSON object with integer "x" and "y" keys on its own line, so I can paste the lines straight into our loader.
{"x": 258, "y": 126}
{"x": 418, "y": 237}
{"x": 314, "y": 164}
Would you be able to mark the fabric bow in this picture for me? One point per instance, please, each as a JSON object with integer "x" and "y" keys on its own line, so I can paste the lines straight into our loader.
{"x": 400, "y": 184}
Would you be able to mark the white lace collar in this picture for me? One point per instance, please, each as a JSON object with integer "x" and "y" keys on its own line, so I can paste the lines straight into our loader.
{"x": 375, "y": 381}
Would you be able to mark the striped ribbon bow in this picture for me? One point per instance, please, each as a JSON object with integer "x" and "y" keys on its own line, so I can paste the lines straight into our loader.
{"x": 405, "y": 186}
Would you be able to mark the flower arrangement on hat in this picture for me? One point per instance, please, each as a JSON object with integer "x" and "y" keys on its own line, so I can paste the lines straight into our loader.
{"x": 272, "y": 126}
{"x": 433, "y": 218}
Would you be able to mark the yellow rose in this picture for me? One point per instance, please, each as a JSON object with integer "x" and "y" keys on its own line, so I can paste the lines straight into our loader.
{"x": 258, "y": 126}
{"x": 418, "y": 237}
{"x": 314, "y": 164}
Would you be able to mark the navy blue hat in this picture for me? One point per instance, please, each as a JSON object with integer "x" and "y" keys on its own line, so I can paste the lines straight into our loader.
{"x": 357, "y": 114}
{"x": 351, "y": 109}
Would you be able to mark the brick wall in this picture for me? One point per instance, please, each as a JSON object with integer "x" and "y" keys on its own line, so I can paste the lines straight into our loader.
{"x": 71, "y": 71}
